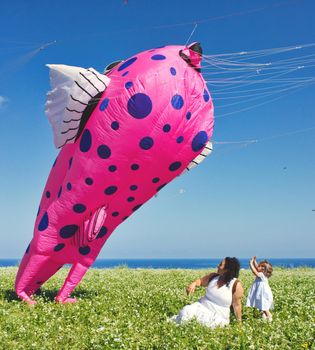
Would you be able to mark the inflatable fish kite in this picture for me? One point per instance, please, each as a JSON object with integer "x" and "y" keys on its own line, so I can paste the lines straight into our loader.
{"x": 124, "y": 135}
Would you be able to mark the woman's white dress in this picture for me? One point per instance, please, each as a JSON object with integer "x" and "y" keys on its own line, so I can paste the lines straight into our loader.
{"x": 211, "y": 310}
{"x": 260, "y": 294}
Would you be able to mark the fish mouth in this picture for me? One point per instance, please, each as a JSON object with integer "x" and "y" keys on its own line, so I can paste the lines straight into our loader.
{"x": 192, "y": 55}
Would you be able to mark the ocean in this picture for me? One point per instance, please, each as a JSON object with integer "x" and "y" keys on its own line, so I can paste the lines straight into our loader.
{"x": 180, "y": 263}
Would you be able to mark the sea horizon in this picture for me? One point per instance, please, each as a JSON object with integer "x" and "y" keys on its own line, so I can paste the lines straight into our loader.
{"x": 179, "y": 263}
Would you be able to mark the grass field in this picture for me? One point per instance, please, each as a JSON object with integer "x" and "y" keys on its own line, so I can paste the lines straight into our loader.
{"x": 125, "y": 308}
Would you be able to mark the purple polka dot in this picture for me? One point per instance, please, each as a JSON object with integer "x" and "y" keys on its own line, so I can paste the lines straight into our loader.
{"x": 47, "y": 194}
{"x": 110, "y": 190}
{"x": 59, "y": 192}
{"x": 123, "y": 75}
{"x": 206, "y": 95}
{"x": 180, "y": 139}
{"x": 166, "y": 128}
{"x": 69, "y": 186}
{"x": 79, "y": 208}
{"x": 59, "y": 246}
{"x": 155, "y": 180}
{"x": 133, "y": 187}
{"x": 130, "y": 199}
{"x": 104, "y": 104}
{"x": 89, "y": 181}
{"x": 158, "y": 57}
{"x": 112, "y": 168}
{"x": 43, "y": 222}
{"x": 103, "y": 151}
{"x": 136, "y": 207}
{"x": 84, "y": 250}
{"x": 128, "y": 85}
{"x": 102, "y": 232}
{"x": 188, "y": 115}
{"x": 146, "y": 143}
{"x": 177, "y": 102}
{"x": 175, "y": 166}
{"x": 135, "y": 166}
{"x": 173, "y": 71}
{"x": 86, "y": 141}
{"x": 127, "y": 63}
{"x": 139, "y": 106}
{"x": 70, "y": 162}
{"x": 115, "y": 125}
{"x": 68, "y": 231}
{"x": 199, "y": 141}
{"x": 115, "y": 213}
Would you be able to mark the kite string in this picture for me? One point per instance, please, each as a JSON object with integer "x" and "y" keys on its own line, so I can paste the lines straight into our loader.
{"x": 259, "y": 104}
{"x": 247, "y": 142}
{"x": 233, "y": 142}
{"x": 191, "y": 34}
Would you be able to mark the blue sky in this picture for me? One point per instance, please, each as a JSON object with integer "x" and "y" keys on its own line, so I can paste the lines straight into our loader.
{"x": 243, "y": 200}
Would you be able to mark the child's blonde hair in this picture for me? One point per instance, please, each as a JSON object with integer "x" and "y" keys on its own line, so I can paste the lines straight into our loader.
{"x": 267, "y": 268}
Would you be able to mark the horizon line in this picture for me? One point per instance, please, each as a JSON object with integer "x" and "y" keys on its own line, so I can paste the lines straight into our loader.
{"x": 181, "y": 258}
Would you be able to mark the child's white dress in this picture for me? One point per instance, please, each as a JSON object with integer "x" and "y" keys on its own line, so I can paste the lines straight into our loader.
{"x": 211, "y": 310}
{"x": 260, "y": 294}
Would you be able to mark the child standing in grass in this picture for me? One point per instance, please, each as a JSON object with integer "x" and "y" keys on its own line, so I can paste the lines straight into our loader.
{"x": 260, "y": 294}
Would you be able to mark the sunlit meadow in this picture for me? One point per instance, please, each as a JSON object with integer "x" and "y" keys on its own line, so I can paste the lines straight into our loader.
{"x": 125, "y": 308}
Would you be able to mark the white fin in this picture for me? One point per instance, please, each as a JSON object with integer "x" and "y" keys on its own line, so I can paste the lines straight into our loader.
{"x": 71, "y": 90}
{"x": 200, "y": 158}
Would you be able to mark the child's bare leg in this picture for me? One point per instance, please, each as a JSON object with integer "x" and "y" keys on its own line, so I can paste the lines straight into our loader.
{"x": 268, "y": 315}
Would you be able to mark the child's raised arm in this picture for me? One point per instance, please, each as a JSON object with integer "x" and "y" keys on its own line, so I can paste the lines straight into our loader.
{"x": 255, "y": 262}
{"x": 253, "y": 266}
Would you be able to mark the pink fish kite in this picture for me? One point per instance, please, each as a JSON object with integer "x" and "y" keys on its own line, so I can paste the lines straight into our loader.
{"x": 124, "y": 135}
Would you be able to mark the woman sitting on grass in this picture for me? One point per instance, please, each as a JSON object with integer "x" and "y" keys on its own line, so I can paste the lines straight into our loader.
{"x": 223, "y": 291}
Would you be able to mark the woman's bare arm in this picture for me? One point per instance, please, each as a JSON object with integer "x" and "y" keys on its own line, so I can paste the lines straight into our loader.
{"x": 237, "y": 301}
{"x": 201, "y": 282}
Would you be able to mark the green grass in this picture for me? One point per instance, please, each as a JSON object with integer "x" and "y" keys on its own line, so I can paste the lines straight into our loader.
{"x": 129, "y": 308}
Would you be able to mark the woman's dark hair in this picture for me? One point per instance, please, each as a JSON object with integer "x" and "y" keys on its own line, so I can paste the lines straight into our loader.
{"x": 231, "y": 270}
